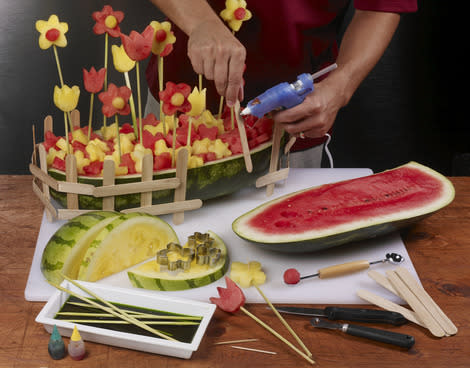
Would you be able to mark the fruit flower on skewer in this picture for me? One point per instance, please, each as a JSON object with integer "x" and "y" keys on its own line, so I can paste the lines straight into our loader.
{"x": 93, "y": 81}
{"x": 66, "y": 99}
{"x": 162, "y": 46}
{"x": 175, "y": 98}
{"x": 231, "y": 299}
{"x": 115, "y": 101}
{"x": 138, "y": 47}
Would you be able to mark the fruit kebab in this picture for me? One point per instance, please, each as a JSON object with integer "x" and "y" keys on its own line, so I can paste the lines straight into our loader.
{"x": 285, "y": 95}
{"x": 292, "y": 276}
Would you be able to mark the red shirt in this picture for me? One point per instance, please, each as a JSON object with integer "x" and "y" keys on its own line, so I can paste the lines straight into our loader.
{"x": 283, "y": 39}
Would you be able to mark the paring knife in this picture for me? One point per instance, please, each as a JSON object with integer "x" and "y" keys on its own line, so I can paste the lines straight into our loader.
{"x": 388, "y": 337}
{"x": 348, "y": 314}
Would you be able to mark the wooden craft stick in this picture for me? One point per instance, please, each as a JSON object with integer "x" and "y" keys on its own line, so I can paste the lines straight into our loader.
{"x": 42, "y": 176}
{"x": 147, "y": 175}
{"x": 180, "y": 192}
{"x": 49, "y": 208}
{"x": 108, "y": 179}
{"x": 48, "y": 124}
{"x": 287, "y": 342}
{"x": 382, "y": 281}
{"x": 71, "y": 177}
{"x": 255, "y": 350}
{"x": 390, "y": 306}
{"x": 272, "y": 177}
{"x": 131, "y": 188}
{"x": 78, "y": 188}
{"x": 284, "y": 322}
{"x": 289, "y": 144}
{"x": 427, "y": 301}
{"x": 243, "y": 138}
{"x": 273, "y": 165}
{"x": 420, "y": 310}
{"x": 75, "y": 118}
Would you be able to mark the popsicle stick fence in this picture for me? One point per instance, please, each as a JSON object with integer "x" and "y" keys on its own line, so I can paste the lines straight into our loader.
{"x": 43, "y": 182}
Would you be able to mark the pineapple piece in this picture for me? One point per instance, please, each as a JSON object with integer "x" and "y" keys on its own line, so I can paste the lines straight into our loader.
{"x": 201, "y": 146}
{"x": 247, "y": 274}
{"x": 95, "y": 150}
{"x": 195, "y": 161}
{"x": 160, "y": 147}
{"x": 53, "y": 153}
{"x": 118, "y": 170}
{"x": 109, "y": 132}
{"x": 62, "y": 144}
{"x": 220, "y": 149}
{"x": 82, "y": 161}
{"x": 78, "y": 135}
{"x": 138, "y": 155}
{"x": 126, "y": 143}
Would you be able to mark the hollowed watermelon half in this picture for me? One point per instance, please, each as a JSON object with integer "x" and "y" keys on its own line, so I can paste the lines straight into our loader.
{"x": 213, "y": 179}
{"x": 346, "y": 211}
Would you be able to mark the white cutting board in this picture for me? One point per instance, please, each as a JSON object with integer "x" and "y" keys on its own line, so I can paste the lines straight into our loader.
{"x": 218, "y": 214}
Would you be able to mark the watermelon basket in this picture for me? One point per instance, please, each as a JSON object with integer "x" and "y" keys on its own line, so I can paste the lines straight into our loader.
{"x": 167, "y": 191}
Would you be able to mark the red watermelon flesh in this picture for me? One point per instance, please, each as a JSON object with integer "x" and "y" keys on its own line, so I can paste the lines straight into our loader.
{"x": 400, "y": 194}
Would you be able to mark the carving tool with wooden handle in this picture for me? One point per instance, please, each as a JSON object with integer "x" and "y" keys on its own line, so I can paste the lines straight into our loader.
{"x": 292, "y": 276}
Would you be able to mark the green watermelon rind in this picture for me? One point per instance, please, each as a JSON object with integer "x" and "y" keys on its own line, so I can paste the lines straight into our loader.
{"x": 140, "y": 280}
{"x": 213, "y": 179}
{"x": 346, "y": 233}
{"x": 69, "y": 243}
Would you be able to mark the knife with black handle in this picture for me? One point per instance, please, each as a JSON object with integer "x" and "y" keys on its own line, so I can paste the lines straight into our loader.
{"x": 388, "y": 337}
{"x": 349, "y": 314}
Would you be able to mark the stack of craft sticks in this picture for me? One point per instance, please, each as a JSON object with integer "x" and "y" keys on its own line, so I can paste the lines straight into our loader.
{"x": 424, "y": 310}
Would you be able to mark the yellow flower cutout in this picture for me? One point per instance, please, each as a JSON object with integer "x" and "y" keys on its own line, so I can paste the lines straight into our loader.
{"x": 198, "y": 102}
{"x": 52, "y": 32}
{"x": 122, "y": 62}
{"x": 235, "y": 13}
{"x": 162, "y": 38}
{"x": 66, "y": 98}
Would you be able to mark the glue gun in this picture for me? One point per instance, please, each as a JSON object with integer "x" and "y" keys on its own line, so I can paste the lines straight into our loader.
{"x": 284, "y": 95}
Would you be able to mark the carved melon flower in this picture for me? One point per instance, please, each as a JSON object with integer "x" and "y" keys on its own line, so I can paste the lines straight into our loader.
{"x": 115, "y": 100}
{"x": 138, "y": 45}
{"x": 175, "y": 98}
{"x": 198, "y": 102}
{"x": 107, "y": 20}
{"x": 93, "y": 80}
{"x": 122, "y": 62}
{"x": 52, "y": 32}
{"x": 235, "y": 13}
{"x": 164, "y": 38}
{"x": 66, "y": 98}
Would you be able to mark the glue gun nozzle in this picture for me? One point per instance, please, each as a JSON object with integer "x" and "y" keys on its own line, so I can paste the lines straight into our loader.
{"x": 245, "y": 111}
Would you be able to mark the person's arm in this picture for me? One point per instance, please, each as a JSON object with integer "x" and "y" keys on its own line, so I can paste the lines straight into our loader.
{"x": 212, "y": 49}
{"x": 364, "y": 42}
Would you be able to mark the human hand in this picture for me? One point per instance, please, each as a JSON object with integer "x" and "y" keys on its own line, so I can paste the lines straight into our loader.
{"x": 315, "y": 116}
{"x": 219, "y": 56}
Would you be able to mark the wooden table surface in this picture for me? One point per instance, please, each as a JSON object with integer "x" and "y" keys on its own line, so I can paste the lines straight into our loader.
{"x": 439, "y": 247}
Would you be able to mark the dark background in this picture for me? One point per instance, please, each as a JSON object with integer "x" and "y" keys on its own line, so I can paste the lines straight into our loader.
{"x": 411, "y": 107}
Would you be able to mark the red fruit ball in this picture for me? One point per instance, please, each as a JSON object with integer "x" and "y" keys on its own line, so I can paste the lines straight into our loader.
{"x": 291, "y": 276}
{"x": 52, "y": 34}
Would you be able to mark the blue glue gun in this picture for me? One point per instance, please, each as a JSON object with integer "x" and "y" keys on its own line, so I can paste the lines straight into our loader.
{"x": 284, "y": 95}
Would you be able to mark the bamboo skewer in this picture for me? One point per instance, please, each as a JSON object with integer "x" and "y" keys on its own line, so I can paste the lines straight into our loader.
{"x": 112, "y": 308}
{"x": 234, "y": 341}
{"x": 135, "y": 314}
{"x": 287, "y": 342}
{"x": 284, "y": 322}
{"x": 123, "y": 322}
{"x": 254, "y": 350}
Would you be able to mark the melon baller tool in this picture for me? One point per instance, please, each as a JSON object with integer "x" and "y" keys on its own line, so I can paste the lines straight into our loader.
{"x": 344, "y": 268}
{"x": 285, "y": 95}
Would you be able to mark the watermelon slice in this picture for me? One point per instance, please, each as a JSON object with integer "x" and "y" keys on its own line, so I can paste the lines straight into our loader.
{"x": 350, "y": 210}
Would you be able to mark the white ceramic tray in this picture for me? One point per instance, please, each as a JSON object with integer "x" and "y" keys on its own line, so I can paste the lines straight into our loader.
{"x": 134, "y": 297}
